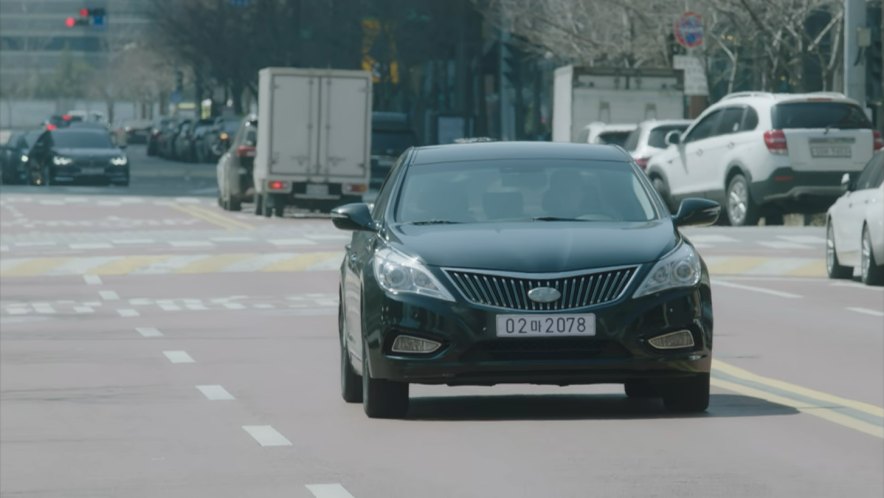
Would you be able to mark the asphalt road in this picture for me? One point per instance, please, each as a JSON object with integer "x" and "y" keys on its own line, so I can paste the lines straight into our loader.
{"x": 154, "y": 345}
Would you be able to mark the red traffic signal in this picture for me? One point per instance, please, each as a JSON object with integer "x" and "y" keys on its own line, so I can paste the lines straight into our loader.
{"x": 84, "y": 12}
{"x": 70, "y": 22}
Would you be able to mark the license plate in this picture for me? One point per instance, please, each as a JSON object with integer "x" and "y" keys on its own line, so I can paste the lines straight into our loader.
{"x": 830, "y": 151}
{"x": 313, "y": 189}
{"x": 546, "y": 325}
{"x": 92, "y": 171}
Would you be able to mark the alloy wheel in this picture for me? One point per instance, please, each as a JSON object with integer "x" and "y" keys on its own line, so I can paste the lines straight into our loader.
{"x": 737, "y": 203}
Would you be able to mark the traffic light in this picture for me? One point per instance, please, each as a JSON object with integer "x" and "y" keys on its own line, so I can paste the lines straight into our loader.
{"x": 95, "y": 17}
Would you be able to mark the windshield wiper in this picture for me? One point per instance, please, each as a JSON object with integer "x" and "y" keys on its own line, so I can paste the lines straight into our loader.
{"x": 433, "y": 222}
{"x": 556, "y": 218}
{"x": 837, "y": 122}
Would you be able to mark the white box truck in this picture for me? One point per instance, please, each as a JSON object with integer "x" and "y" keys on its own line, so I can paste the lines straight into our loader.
{"x": 584, "y": 95}
{"x": 314, "y": 138}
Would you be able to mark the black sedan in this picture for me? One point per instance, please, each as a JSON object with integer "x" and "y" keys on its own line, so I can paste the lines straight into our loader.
{"x": 536, "y": 263}
{"x": 69, "y": 155}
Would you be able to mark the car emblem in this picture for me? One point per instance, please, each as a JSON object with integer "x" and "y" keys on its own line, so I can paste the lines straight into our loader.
{"x": 544, "y": 294}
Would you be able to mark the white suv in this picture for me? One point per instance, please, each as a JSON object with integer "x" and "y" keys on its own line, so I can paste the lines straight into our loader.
{"x": 765, "y": 154}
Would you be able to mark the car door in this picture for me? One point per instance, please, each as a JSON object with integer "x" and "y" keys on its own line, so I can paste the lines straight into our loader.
{"x": 680, "y": 170}
{"x": 849, "y": 225}
{"x": 711, "y": 155}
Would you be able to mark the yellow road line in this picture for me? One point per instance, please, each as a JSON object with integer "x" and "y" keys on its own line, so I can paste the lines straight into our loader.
{"x": 813, "y": 269}
{"x": 222, "y": 218}
{"x": 214, "y": 264}
{"x": 301, "y": 261}
{"x": 126, "y": 265}
{"x": 734, "y": 265}
{"x": 212, "y": 218}
{"x": 794, "y": 389}
{"x": 33, "y": 267}
{"x": 816, "y": 411}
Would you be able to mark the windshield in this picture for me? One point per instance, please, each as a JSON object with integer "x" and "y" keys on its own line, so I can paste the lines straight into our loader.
{"x": 81, "y": 140}
{"x": 391, "y": 143}
{"x": 523, "y": 190}
{"x": 819, "y": 115}
{"x": 614, "y": 137}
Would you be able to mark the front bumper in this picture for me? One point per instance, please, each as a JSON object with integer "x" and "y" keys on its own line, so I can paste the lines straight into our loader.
{"x": 73, "y": 174}
{"x": 471, "y": 354}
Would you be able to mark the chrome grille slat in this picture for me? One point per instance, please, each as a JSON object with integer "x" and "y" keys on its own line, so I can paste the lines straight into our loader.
{"x": 511, "y": 291}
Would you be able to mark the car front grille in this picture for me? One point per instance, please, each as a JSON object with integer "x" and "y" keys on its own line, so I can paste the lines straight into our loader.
{"x": 511, "y": 292}
{"x": 557, "y": 348}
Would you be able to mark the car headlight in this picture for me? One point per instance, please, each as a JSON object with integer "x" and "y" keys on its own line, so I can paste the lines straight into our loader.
{"x": 680, "y": 268}
{"x": 398, "y": 273}
{"x": 61, "y": 160}
{"x": 24, "y": 158}
{"x": 119, "y": 161}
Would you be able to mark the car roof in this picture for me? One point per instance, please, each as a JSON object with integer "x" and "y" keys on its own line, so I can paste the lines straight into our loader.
{"x": 776, "y": 98}
{"x": 665, "y": 122}
{"x": 517, "y": 150}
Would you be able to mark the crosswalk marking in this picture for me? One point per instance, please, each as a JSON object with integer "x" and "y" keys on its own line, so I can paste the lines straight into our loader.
{"x": 266, "y": 435}
{"x": 328, "y": 491}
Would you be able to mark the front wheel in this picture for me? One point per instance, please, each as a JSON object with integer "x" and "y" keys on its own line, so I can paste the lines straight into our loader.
{"x": 834, "y": 269}
{"x": 640, "y": 389}
{"x": 688, "y": 395}
{"x": 741, "y": 211}
{"x": 351, "y": 383}
{"x": 871, "y": 273}
{"x": 382, "y": 398}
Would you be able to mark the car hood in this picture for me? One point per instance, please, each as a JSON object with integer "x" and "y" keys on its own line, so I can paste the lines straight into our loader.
{"x": 537, "y": 246}
{"x": 90, "y": 153}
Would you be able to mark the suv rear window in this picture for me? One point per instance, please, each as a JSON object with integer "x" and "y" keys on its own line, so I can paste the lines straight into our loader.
{"x": 819, "y": 115}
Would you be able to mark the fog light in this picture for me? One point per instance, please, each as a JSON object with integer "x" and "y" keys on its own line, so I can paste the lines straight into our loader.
{"x": 411, "y": 344}
{"x": 673, "y": 340}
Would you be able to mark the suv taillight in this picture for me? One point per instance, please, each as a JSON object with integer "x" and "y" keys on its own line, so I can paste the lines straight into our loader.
{"x": 245, "y": 151}
{"x": 775, "y": 140}
{"x": 879, "y": 143}
{"x": 642, "y": 162}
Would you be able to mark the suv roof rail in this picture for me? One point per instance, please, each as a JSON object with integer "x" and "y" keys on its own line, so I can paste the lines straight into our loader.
{"x": 828, "y": 94}
{"x": 746, "y": 94}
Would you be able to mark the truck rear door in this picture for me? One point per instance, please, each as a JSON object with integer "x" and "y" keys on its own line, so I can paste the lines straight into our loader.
{"x": 294, "y": 124}
{"x": 345, "y": 124}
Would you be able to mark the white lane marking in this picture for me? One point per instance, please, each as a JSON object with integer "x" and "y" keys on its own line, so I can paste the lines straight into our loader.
{"x": 232, "y": 239}
{"x": 187, "y": 200}
{"x": 128, "y": 313}
{"x": 178, "y": 357}
{"x": 149, "y": 332}
{"x": 291, "y": 242}
{"x": 95, "y": 245}
{"x": 83, "y": 309}
{"x": 266, "y": 435}
{"x": 18, "y": 311}
{"x": 711, "y": 238}
{"x": 169, "y": 306}
{"x": 234, "y": 306}
{"x": 803, "y": 239}
{"x": 328, "y": 491}
{"x": 784, "y": 245}
{"x": 133, "y": 241}
{"x": 168, "y": 265}
{"x": 92, "y": 279}
{"x": 196, "y": 307}
{"x": 190, "y": 243}
{"x": 109, "y": 295}
{"x": 866, "y": 311}
{"x": 756, "y": 289}
{"x": 215, "y": 393}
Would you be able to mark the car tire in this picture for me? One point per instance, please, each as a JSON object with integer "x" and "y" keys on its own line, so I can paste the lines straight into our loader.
{"x": 234, "y": 204}
{"x": 688, "y": 395}
{"x": 267, "y": 205}
{"x": 834, "y": 269}
{"x": 278, "y": 205}
{"x": 351, "y": 382}
{"x": 259, "y": 204}
{"x": 662, "y": 189}
{"x": 382, "y": 398}
{"x": 739, "y": 207}
{"x": 640, "y": 389}
{"x": 871, "y": 272}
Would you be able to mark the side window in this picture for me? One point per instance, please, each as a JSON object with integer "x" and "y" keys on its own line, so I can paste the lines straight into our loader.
{"x": 704, "y": 128}
{"x": 750, "y": 119}
{"x": 871, "y": 175}
{"x": 380, "y": 203}
{"x": 731, "y": 120}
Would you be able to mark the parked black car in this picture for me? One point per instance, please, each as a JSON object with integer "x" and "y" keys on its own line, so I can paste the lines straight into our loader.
{"x": 153, "y": 140}
{"x": 541, "y": 263}
{"x": 14, "y": 156}
{"x": 73, "y": 155}
{"x": 185, "y": 142}
{"x": 211, "y": 144}
{"x": 168, "y": 137}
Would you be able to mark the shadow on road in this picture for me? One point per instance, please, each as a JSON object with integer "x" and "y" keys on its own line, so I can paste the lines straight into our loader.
{"x": 578, "y": 407}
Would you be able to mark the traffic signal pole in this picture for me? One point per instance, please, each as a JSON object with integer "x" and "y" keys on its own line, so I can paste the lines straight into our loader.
{"x": 854, "y": 62}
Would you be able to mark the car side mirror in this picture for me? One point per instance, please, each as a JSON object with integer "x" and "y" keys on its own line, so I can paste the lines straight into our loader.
{"x": 673, "y": 137}
{"x": 847, "y": 183}
{"x": 356, "y": 217}
{"x": 697, "y": 212}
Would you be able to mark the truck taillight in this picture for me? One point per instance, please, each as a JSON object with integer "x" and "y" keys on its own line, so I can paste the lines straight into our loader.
{"x": 879, "y": 142}
{"x": 775, "y": 140}
{"x": 245, "y": 151}
{"x": 277, "y": 185}
{"x": 354, "y": 188}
